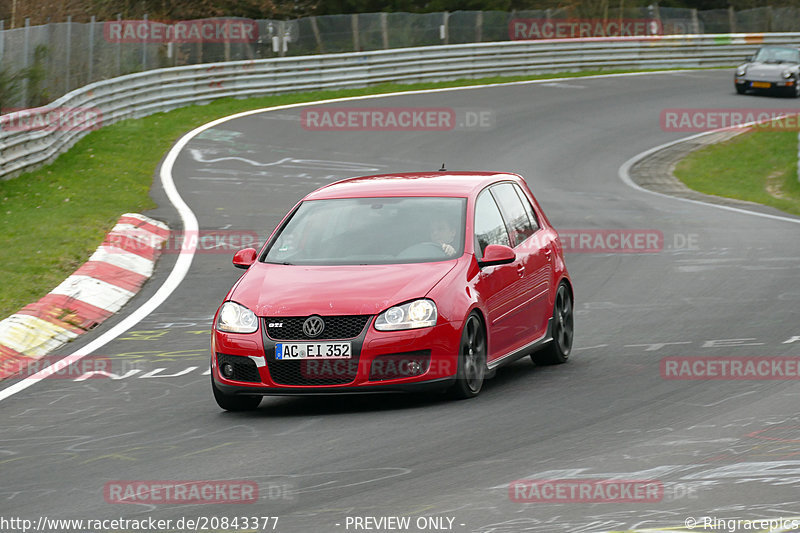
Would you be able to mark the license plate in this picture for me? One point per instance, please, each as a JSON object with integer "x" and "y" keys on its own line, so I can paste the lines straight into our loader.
{"x": 312, "y": 350}
{"x": 761, "y": 85}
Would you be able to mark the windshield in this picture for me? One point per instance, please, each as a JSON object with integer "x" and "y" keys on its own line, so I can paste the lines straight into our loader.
{"x": 776, "y": 54}
{"x": 371, "y": 231}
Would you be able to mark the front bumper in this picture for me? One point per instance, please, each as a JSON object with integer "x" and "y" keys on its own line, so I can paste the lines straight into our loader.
{"x": 396, "y": 361}
{"x": 419, "y": 386}
{"x": 763, "y": 85}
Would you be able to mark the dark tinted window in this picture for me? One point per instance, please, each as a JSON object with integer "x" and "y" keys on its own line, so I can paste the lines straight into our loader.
{"x": 371, "y": 231}
{"x": 489, "y": 225}
{"x": 517, "y": 217}
{"x": 777, "y": 54}
{"x": 528, "y": 208}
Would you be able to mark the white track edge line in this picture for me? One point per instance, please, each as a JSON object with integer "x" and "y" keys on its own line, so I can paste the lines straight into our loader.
{"x": 624, "y": 175}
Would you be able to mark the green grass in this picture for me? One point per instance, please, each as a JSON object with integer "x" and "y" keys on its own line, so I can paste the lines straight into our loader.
{"x": 55, "y": 217}
{"x": 757, "y": 166}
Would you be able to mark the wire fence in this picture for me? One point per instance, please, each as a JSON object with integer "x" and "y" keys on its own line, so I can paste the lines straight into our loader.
{"x": 40, "y": 63}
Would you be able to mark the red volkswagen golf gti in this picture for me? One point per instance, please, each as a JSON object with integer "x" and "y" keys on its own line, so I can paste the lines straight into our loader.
{"x": 397, "y": 282}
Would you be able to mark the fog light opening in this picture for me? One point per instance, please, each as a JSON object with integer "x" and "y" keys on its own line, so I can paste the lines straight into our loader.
{"x": 227, "y": 370}
{"x": 414, "y": 368}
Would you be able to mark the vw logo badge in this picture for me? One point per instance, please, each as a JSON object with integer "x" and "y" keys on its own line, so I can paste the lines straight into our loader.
{"x": 313, "y": 326}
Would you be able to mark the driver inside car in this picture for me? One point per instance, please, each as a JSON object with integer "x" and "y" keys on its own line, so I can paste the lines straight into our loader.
{"x": 443, "y": 233}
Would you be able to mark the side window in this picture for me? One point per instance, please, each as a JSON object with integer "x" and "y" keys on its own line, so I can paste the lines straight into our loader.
{"x": 528, "y": 208}
{"x": 489, "y": 225}
{"x": 518, "y": 221}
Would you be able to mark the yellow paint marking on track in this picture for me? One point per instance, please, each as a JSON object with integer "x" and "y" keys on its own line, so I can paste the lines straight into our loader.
{"x": 209, "y": 449}
{"x": 144, "y": 335}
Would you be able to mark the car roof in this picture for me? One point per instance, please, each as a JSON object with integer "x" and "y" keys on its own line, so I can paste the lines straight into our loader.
{"x": 438, "y": 183}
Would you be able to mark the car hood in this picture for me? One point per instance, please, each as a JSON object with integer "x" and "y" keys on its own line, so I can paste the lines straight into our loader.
{"x": 768, "y": 69}
{"x": 291, "y": 290}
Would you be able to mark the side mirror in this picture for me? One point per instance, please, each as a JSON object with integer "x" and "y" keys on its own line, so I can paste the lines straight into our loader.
{"x": 497, "y": 254}
{"x": 245, "y": 258}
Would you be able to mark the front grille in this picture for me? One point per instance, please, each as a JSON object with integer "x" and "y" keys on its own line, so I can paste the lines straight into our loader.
{"x": 244, "y": 368}
{"x": 396, "y": 365}
{"x": 314, "y": 372}
{"x": 336, "y": 327}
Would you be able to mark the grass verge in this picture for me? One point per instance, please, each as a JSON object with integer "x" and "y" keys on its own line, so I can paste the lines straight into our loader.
{"x": 757, "y": 166}
{"x": 55, "y": 217}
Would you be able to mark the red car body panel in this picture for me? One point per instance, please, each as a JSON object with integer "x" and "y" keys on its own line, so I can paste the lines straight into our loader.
{"x": 515, "y": 300}
{"x": 272, "y": 290}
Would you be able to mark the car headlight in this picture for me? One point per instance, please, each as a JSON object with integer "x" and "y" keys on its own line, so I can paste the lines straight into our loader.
{"x": 787, "y": 73}
{"x": 741, "y": 70}
{"x": 411, "y": 315}
{"x": 235, "y": 318}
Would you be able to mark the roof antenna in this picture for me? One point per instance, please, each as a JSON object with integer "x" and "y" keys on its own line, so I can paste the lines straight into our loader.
{"x": 442, "y": 169}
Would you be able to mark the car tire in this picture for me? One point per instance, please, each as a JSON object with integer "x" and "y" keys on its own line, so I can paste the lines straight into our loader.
{"x": 741, "y": 89}
{"x": 471, "y": 359}
{"x": 557, "y": 351}
{"x": 233, "y": 403}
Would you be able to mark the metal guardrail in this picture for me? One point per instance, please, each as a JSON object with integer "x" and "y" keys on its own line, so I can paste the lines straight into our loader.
{"x": 29, "y": 138}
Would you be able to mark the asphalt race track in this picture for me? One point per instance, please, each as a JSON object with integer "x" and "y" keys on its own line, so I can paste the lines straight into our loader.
{"x": 725, "y": 284}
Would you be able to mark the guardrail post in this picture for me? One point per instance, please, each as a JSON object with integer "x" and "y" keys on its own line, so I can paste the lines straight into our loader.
{"x": 444, "y": 30}
{"x": 695, "y": 23}
{"x": 356, "y": 40}
{"x": 69, "y": 52}
{"x": 26, "y": 52}
{"x": 732, "y": 19}
{"x": 119, "y": 48}
{"x": 144, "y": 47}
{"x": 282, "y": 38}
{"x": 2, "y": 39}
{"x": 654, "y": 12}
{"x": 199, "y": 49}
{"x": 91, "y": 49}
{"x": 227, "y": 47}
{"x": 385, "y": 29}
{"x": 315, "y": 30}
{"x": 479, "y": 27}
